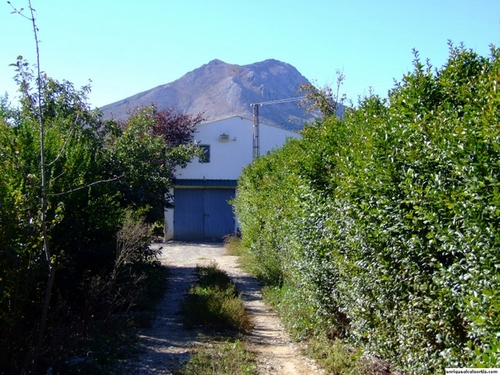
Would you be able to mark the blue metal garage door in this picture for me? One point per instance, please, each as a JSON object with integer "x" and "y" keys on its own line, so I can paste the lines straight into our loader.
{"x": 203, "y": 214}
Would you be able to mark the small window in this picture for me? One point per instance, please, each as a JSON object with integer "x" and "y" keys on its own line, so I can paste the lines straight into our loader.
{"x": 205, "y": 156}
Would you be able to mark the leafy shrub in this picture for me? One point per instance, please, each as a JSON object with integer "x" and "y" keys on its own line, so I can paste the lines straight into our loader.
{"x": 387, "y": 220}
{"x": 95, "y": 171}
{"x": 122, "y": 289}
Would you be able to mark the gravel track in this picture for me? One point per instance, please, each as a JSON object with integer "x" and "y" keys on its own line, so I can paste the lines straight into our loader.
{"x": 166, "y": 344}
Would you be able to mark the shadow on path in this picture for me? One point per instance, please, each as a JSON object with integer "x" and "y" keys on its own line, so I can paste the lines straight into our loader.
{"x": 166, "y": 344}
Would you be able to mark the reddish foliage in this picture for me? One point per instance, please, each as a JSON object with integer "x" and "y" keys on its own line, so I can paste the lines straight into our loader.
{"x": 176, "y": 128}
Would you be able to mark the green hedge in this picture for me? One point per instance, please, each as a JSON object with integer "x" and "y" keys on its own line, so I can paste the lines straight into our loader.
{"x": 388, "y": 219}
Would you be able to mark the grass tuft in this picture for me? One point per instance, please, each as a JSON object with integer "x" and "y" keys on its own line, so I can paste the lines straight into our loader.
{"x": 233, "y": 245}
{"x": 335, "y": 357}
{"x": 221, "y": 358}
{"x": 214, "y": 303}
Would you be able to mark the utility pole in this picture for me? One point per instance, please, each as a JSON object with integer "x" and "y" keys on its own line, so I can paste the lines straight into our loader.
{"x": 256, "y": 139}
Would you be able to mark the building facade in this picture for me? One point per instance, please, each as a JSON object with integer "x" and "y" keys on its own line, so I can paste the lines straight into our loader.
{"x": 203, "y": 189}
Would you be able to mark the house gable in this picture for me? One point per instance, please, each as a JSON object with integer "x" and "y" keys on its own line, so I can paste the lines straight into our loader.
{"x": 229, "y": 143}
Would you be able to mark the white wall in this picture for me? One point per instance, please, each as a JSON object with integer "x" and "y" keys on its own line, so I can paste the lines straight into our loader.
{"x": 168, "y": 230}
{"x": 272, "y": 137}
{"x": 228, "y": 158}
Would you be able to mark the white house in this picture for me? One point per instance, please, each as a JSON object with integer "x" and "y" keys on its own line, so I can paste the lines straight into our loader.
{"x": 202, "y": 189}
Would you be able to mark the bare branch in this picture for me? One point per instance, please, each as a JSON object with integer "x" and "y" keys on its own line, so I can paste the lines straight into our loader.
{"x": 65, "y": 142}
{"x": 59, "y": 175}
{"x": 19, "y": 11}
{"x": 87, "y": 185}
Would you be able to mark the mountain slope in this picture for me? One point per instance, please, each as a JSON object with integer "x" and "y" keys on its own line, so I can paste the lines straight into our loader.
{"x": 221, "y": 90}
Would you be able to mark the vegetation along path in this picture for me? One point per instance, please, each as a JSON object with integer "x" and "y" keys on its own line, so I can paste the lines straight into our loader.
{"x": 167, "y": 344}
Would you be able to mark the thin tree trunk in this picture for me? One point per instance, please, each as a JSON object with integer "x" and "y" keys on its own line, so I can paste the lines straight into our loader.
{"x": 43, "y": 204}
{"x": 43, "y": 319}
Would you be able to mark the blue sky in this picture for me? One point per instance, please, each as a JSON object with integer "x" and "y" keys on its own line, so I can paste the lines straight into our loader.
{"x": 131, "y": 46}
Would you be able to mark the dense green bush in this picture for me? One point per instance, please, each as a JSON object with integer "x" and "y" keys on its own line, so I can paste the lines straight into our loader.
{"x": 387, "y": 219}
{"x": 96, "y": 172}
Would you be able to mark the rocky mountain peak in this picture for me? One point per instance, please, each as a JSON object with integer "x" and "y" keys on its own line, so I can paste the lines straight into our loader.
{"x": 222, "y": 90}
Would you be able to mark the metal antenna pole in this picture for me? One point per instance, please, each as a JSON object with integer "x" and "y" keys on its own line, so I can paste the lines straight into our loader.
{"x": 256, "y": 141}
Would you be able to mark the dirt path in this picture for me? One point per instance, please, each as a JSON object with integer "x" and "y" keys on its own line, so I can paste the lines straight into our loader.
{"x": 167, "y": 344}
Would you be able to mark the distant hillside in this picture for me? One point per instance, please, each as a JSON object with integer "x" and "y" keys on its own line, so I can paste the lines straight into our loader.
{"x": 222, "y": 90}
